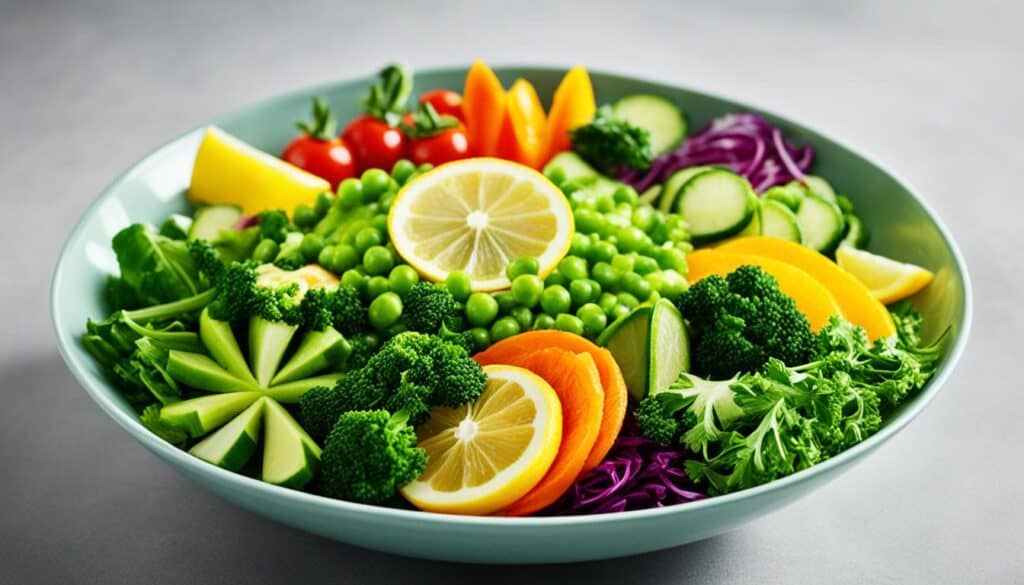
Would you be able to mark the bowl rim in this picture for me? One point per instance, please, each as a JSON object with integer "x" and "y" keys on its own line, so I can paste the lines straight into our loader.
{"x": 182, "y": 459}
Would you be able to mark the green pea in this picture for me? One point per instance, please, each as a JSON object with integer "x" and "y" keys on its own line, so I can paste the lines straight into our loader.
{"x": 402, "y": 169}
{"x": 523, "y": 316}
{"x": 385, "y": 310}
{"x": 380, "y": 222}
{"x": 588, "y": 221}
{"x": 523, "y": 265}
{"x": 645, "y": 265}
{"x": 506, "y": 301}
{"x": 672, "y": 258}
{"x": 385, "y": 201}
{"x": 543, "y": 321}
{"x": 580, "y": 245}
{"x": 573, "y": 268}
{"x": 570, "y": 323}
{"x": 350, "y": 193}
{"x": 375, "y": 183}
{"x": 626, "y": 194}
{"x": 402, "y": 279}
{"x": 556, "y": 175}
{"x": 606, "y": 275}
{"x": 555, "y": 299}
{"x": 304, "y": 216}
{"x": 378, "y": 260}
{"x": 323, "y": 203}
{"x": 326, "y": 257}
{"x": 602, "y": 252}
{"x": 632, "y": 239}
{"x": 673, "y": 284}
{"x": 481, "y": 338}
{"x": 623, "y": 262}
{"x": 265, "y": 251}
{"x": 593, "y": 318}
{"x": 376, "y": 286}
{"x": 396, "y": 329}
{"x": 481, "y": 309}
{"x": 504, "y": 327}
{"x": 366, "y": 238}
{"x": 628, "y": 300}
{"x": 458, "y": 285}
{"x": 644, "y": 218}
{"x": 619, "y": 312}
{"x": 344, "y": 258}
{"x": 526, "y": 289}
{"x": 556, "y": 278}
{"x": 581, "y": 292}
{"x": 357, "y": 280}
{"x": 311, "y": 246}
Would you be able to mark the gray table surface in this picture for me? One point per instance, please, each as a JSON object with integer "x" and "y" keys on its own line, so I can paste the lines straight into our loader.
{"x": 935, "y": 91}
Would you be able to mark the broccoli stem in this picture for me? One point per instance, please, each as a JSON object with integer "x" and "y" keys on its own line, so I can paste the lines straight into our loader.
{"x": 172, "y": 309}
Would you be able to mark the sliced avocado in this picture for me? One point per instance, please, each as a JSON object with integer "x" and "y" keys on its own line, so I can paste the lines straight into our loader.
{"x": 290, "y": 456}
{"x": 210, "y": 220}
{"x": 318, "y": 351}
{"x": 268, "y": 340}
{"x": 220, "y": 341}
{"x": 199, "y": 416}
{"x": 291, "y": 392}
{"x": 669, "y": 346}
{"x": 627, "y": 340}
{"x": 233, "y": 444}
{"x": 199, "y": 371}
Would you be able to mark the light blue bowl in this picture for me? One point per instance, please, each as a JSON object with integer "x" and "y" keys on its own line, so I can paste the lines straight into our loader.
{"x": 901, "y": 224}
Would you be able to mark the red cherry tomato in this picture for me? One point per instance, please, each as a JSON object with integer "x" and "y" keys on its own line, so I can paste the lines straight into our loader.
{"x": 445, "y": 146}
{"x": 330, "y": 159}
{"x": 445, "y": 101}
{"x": 374, "y": 144}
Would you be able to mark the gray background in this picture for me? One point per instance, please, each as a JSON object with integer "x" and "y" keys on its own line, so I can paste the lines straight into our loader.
{"x": 933, "y": 90}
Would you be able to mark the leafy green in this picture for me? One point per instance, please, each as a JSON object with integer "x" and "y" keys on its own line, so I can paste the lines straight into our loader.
{"x": 608, "y": 142}
{"x": 154, "y": 269}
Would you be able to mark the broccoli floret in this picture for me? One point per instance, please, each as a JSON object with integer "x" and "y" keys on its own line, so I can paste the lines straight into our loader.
{"x": 427, "y": 307}
{"x": 368, "y": 455}
{"x": 411, "y": 372}
{"x": 741, "y": 321}
{"x": 364, "y": 346}
{"x": 274, "y": 225}
{"x": 341, "y": 308}
{"x": 608, "y": 142}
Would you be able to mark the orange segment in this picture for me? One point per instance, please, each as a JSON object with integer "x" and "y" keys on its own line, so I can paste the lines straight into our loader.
{"x": 854, "y": 299}
{"x": 483, "y": 105}
{"x": 573, "y": 105}
{"x": 575, "y": 379}
{"x": 616, "y": 397}
{"x": 522, "y": 136}
{"x": 812, "y": 298}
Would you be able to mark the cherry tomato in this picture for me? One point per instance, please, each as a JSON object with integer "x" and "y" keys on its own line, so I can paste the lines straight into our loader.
{"x": 375, "y": 144}
{"x": 330, "y": 159}
{"x": 444, "y": 146}
{"x": 445, "y": 101}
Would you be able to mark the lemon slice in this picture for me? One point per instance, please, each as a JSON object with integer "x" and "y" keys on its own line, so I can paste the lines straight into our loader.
{"x": 887, "y": 279}
{"x": 478, "y": 215}
{"x": 484, "y": 456}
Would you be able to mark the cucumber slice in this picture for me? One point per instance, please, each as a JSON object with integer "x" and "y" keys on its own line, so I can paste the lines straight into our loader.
{"x": 649, "y": 196}
{"x": 573, "y": 166}
{"x": 754, "y": 226}
{"x": 660, "y": 117}
{"x": 199, "y": 416}
{"x": 790, "y": 195}
{"x": 820, "y": 187}
{"x": 856, "y": 233}
{"x": 821, "y": 223}
{"x": 669, "y": 346}
{"x": 199, "y": 371}
{"x": 219, "y": 340}
{"x": 319, "y": 350}
{"x": 291, "y": 392}
{"x": 268, "y": 340}
{"x": 210, "y": 220}
{"x": 233, "y": 444}
{"x": 778, "y": 221}
{"x": 716, "y": 204}
{"x": 674, "y": 183}
{"x": 627, "y": 340}
{"x": 290, "y": 456}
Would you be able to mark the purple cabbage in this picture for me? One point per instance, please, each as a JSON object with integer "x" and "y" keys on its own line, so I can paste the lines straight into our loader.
{"x": 746, "y": 143}
{"x": 636, "y": 475}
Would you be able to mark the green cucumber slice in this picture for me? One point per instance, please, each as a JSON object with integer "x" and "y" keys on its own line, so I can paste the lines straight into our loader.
{"x": 669, "y": 346}
{"x": 627, "y": 340}
{"x": 318, "y": 351}
{"x": 821, "y": 223}
{"x": 820, "y": 187}
{"x": 210, "y": 220}
{"x": 233, "y": 444}
{"x": 290, "y": 456}
{"x": 291, "y": 392}
{"x": 779, "y": 221}
{"x": 856, "y": 233}
{"x": 219, "y": 339}
{"x": 716, "y": 204}
{"x": 199, "y": 416}
{"x": 268, "y": 340}
{"x": 674, "y": 183}
{"x": 754, "y": 225}
{"x": 660, "y": 117}
{"x": 790, "y": 195}
{"x": 649, "y": 196}
{"x": 199, "y": 371}
{"x": 573, "y": 166}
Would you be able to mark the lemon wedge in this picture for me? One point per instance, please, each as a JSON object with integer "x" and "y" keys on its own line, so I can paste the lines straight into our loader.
{"x": 887, "y": 279}
{"x": 486, "y": 455}
{"x": 478, "y": 215}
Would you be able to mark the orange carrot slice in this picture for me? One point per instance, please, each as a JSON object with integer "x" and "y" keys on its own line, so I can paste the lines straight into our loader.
{"x": 523, "y": 133}
{"x": 573, "y": 105}
{"x": 483, "y": 105}
{"x": 616, "y": 397}
{"x": 575, "y": 379}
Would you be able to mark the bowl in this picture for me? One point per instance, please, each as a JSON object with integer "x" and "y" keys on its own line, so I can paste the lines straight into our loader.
{"x": 901, "y": 223}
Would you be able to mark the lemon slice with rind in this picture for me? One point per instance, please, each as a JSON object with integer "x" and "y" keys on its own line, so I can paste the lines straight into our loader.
{"x": 478, "y": 215}
{"x": 888, "y": 280}
{"x": 486, "y": 455}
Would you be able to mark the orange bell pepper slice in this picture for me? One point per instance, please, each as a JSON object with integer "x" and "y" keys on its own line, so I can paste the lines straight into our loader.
{"x": 572, "y": 106}
{"x": 523, "y": 137}
{"x": 483, "y": 105}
